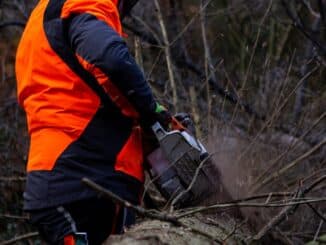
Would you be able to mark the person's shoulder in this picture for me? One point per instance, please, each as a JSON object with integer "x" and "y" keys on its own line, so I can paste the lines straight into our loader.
{"x": 89, "y": 6}
{"x": 104, "y": 10}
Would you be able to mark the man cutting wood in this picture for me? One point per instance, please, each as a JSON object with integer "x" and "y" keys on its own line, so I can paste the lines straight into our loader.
{"x": 85, "y": 99}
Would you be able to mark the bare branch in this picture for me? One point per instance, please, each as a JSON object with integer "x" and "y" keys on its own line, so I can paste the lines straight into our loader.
{"x": 287, "y": 210}
{"x": 290, "y": 165}
{"x": 182, "y": 193}
{"x": 168, "y": 56}
{"x": 209, "y": 67}
{"x": 293, "y": 202}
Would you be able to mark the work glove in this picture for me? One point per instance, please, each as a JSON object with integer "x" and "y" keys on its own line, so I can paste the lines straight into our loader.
{"x": 162, "y": 115}
{"x": 158, "y": 114}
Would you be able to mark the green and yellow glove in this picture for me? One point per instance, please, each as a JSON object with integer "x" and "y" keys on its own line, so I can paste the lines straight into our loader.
{"x": 162, "y": 115}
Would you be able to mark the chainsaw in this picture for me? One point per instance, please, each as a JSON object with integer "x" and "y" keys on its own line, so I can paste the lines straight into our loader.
{"x": 180, "y": 165}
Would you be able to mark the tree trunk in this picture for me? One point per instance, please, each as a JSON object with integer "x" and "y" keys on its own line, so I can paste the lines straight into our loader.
{"x": 202, "y": 229}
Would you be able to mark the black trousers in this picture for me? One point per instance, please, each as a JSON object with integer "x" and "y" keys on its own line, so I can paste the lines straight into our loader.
{"x": 96, "y": 217}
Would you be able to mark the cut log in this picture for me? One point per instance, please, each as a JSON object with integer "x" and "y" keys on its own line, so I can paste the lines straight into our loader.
{"x": 198, "y": 229}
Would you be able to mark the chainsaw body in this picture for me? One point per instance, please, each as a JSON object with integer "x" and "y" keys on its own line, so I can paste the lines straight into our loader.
{"x": 173, "y": 166}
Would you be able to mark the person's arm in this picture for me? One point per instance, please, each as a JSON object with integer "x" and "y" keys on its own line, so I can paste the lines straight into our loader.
{"x": 98, "y": 44}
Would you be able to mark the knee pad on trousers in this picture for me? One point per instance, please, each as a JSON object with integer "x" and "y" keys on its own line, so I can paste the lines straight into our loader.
{"x": 79, "y": 238}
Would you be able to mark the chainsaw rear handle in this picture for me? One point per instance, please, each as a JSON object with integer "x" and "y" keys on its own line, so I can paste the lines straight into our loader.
{"x": 176, "y": 125}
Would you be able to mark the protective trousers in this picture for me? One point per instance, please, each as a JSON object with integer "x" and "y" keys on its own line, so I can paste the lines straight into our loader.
{"x": 84, "y": 222}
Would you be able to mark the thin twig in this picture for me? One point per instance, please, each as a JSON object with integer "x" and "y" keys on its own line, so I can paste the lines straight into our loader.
{"x": 287, "y": 210}
{"x": 318, "y": 230}
{"x": 9, "y": 216}
{"x": 290, "y": 165}
{"x": 279, "y": 109}
{"x": 273, "y": 164}
{"x": 250, "y": 204}
{"x": 190, "y": 23}
{"x": 296, "y": 201}
{"x": 256, "y": 43}
{"x": 209, "y": 67}
{"x": 151, "y": 31}
{"x": 137, "y": 209}
{"x": 252, "y": 56}
{"x": 274, "y": 221}
{"x": 12, "y": 179}
{"x": 196, "y": 69}
{"x": 182, "y": 193}
{"x": 316, "y": 211}
{"x": 152, "y": 180}
{"x": 315, "y": 183}
{"x": 235, "y": 228}
{"x": 168, "y": 56}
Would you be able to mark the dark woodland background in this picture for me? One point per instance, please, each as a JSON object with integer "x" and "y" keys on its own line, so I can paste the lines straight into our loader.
{"x": 250, "y": 72}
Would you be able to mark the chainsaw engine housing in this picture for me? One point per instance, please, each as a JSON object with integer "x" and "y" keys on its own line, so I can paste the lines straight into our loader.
{"x": 175, "y": 164}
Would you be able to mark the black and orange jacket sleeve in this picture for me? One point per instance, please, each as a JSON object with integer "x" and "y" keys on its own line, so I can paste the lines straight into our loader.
{"x": 98, "y": 44}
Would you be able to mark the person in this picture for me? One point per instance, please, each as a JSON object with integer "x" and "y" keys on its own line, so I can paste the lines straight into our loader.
{"x": 86, "y": 101}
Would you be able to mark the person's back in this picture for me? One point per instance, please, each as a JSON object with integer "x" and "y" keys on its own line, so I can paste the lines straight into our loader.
{"x": 84, "y": 96}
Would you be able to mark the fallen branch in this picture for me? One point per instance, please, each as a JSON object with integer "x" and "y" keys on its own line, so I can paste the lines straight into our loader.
{"x": 20, "y": 238}
{"x": 137, "y": 209}
{"x": 154, "y": 214}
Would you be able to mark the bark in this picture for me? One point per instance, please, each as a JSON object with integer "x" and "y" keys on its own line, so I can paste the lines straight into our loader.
{"x": 218, "y": 230}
